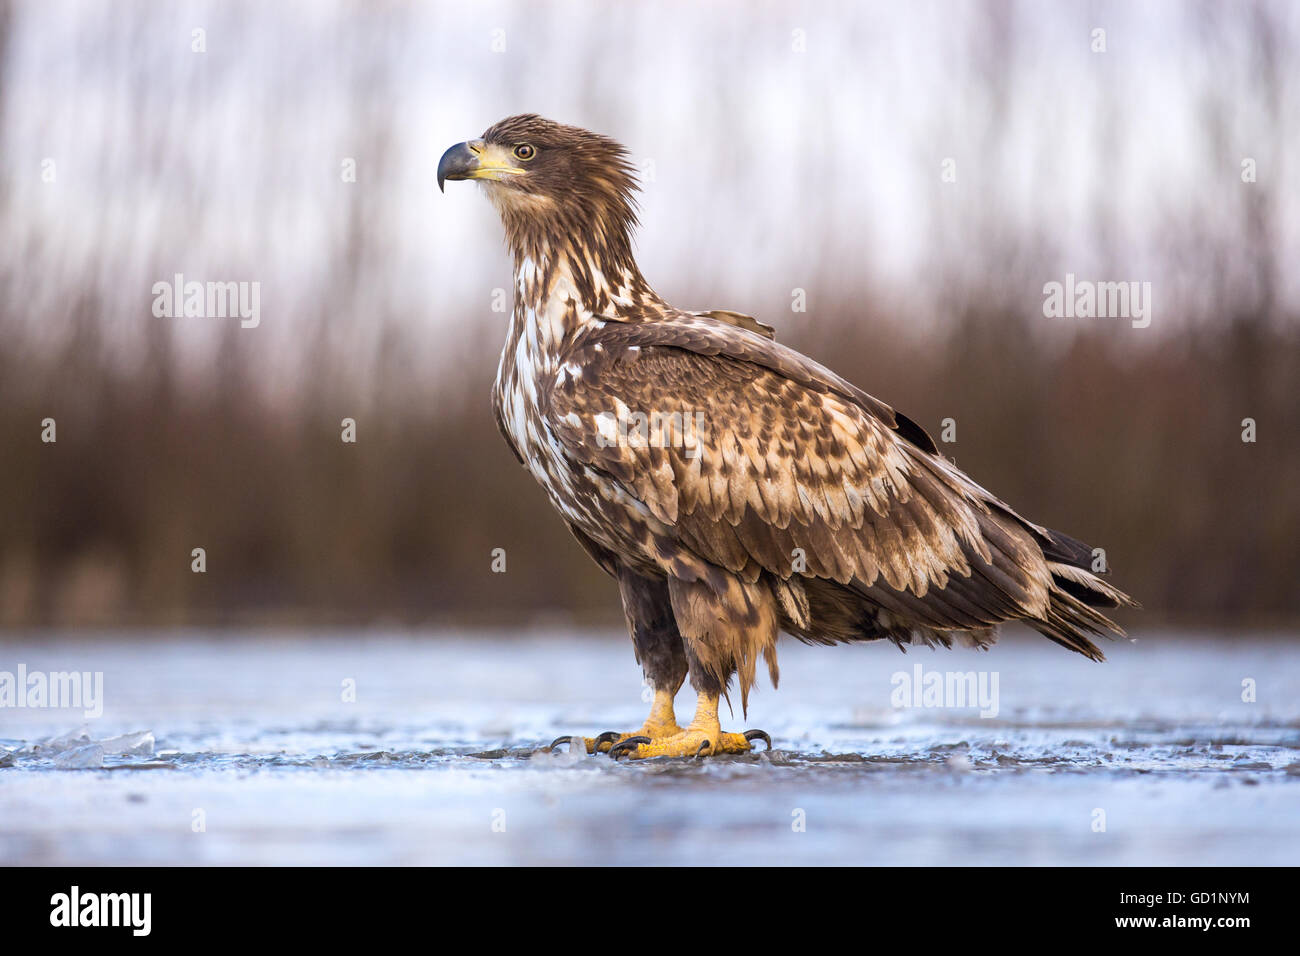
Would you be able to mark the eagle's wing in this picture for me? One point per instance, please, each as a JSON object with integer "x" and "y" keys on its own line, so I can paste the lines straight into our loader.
{"x": 790, "y": 456}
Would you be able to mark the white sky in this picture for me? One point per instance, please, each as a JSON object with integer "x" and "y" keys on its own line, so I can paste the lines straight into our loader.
{"x": 774, "y": 169}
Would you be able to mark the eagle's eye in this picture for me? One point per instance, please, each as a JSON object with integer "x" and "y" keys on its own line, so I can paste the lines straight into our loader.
{"x": 525, "y": 152}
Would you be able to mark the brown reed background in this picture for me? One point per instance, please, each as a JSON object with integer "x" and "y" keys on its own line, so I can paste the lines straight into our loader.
{"x": 767, "y": 176}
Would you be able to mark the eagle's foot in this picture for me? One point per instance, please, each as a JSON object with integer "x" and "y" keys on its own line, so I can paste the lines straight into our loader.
{"x": 691, "y": 742}
{"x": 602, "y": 743}
{"x": 660, "y": 723}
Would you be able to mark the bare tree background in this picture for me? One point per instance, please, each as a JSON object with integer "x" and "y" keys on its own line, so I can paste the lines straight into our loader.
{"x": 767, "y": 169}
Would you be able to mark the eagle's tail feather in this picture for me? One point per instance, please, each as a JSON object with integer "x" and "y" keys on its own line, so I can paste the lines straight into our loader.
{"x": 1088, "y": 587}
{"x": 1072, "y": 615}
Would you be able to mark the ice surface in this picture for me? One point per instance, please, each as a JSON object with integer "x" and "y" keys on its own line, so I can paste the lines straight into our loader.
{"x": 76, "y": 750}
{"x": 72, "y": 740}
{"x": 441, "y": 757}
{"x": 138, "y": 744}
{"x": 80, "y": 758}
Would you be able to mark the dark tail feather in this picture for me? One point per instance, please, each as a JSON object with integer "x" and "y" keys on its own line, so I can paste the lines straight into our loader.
{"x": 1071, "y": 617}
{"x": 1058, "y": 546}
{"x": 1082, "y": 592}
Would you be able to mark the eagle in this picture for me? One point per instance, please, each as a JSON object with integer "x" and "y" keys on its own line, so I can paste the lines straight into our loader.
{"x": 733, "y": 487}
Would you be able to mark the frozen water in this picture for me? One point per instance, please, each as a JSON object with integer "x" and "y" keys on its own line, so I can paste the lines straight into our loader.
{"x": 80, "y": 758}
{"x": 75, "y": 750}
{"x": 428, "y": 748}
{"x": 61, "y": 742}
{"x": 139, "y": 744}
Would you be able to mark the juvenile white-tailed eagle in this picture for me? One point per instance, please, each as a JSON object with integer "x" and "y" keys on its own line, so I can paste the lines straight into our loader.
{"x": 734, "y": 487}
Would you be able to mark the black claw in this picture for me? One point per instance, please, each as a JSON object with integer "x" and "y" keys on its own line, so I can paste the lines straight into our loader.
{"x": 752, "y": 735}
{"x": 566, "y": 739}
{"x": 608, "y": 737}
{"x": 703, "y": 747}
{"x": 626, "y": 746}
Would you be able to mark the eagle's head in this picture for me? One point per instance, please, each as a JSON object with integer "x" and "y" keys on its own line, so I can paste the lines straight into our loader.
{"x": 553, "y": 184}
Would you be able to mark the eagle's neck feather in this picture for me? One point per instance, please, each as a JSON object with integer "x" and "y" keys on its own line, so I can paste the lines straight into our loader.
{"x": 583, "y": 250}
{"x": 559, "y": 294}
{"x": 573, "y": 273}
{"x": 564, "y": 287}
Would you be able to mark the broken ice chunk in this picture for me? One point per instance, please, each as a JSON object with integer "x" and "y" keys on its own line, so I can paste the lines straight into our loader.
{"x": 81, "y": 758}
{"x": 78, "y": 738}
{"x": 139, "y": 744}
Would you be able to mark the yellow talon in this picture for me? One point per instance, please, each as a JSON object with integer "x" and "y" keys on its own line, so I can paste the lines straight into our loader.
{"x": 704, "y": 737}
{"x": 662, "y": 722}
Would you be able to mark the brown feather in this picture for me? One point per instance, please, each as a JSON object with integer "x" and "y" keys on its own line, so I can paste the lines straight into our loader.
{"x": 804, "y": 505}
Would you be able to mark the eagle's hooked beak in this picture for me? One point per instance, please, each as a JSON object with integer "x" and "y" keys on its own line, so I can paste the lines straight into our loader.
{"x": 475, "y": 160}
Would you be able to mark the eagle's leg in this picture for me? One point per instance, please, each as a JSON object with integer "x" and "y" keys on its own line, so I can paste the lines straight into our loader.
{"x": 726, "y": 624}
{"x": 662, "y": 722}
{"x": 704, "y": 737}
{"x": 659, "y": 650}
